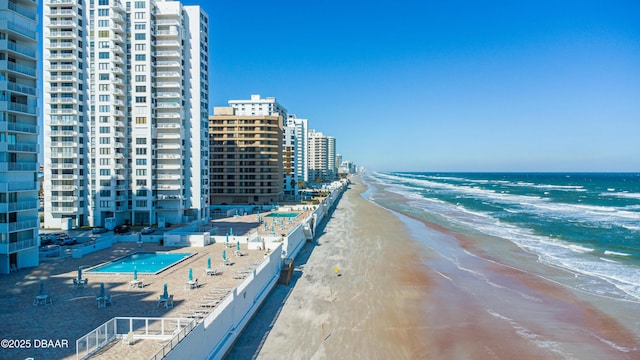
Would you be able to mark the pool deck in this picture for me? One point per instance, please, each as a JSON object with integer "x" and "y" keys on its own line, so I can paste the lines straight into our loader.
{"x": 74, "y": 312}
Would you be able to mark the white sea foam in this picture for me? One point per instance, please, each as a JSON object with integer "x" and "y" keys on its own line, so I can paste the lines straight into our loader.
{"x": 622, "y": 195}
{"x": 615, "y": 253}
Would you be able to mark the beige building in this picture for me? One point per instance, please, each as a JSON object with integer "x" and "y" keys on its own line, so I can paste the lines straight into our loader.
{"x": 245, "y": 153}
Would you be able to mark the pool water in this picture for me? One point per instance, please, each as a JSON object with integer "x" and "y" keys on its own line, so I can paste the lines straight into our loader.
{"x": 283, "y": 215}
{"x": 151, "y": 262}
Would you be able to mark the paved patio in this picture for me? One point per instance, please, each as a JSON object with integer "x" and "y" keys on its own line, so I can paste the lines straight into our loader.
{"x": 74, "y": 312}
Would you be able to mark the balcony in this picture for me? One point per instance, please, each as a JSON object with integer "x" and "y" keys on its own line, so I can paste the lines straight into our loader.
{"x": 9, "y": 248}
{"x": 22, "y": 69}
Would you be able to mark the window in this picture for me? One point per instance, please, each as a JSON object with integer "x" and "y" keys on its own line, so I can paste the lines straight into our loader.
{"x": 105, "y": 108}
{"x": 141, "y": 141}
{"x": 140, "y": 4}
{"x": 105, "y": 151}
{"x": 105, "y": 129}
{"x": 141, "y": 182}
{"x": 103, "y": 44}
{"x": 141, "y": 78}
{"x": 103, "y": 55}
{"x": 141, "y": 172}
{"x": 141, "y": 192}
{"x": 105, "y": 140}
{"x": 141, "y": 88}
{"x": 140, "y": 36}
{"x": 103, "y": 33}
{"x": 141, "y": 47}
{"x": 103, "y": 66}
{"x": 103, "y": 23}
{"x": 104, "y": 161}
{"x": 104, "y": 87}
{"x": 141, "y": 99}
{"x": 140, "y": 68}
{"x": 141, "y": 203}
{"x": 105, "y": 172}
{"x": 141, "y": 161}
{"x": 141, "y": 57}
{"x": 104, "y": 98}
{"x": 141, "y": 151}
{"x": 141, "y": 120}
{"x": 103, "y": 12}
{"x": 140, "y": 26}
{"x": 103, "y": 77}
{"x": 139, "y": 15}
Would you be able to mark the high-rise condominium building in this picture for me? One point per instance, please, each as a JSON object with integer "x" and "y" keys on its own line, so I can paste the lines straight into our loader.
{"x": 125, "y": 112}
{"x": 18, "y": 135}
{"x": 245, "y": 157}
{"x": 322, "y": 157}
{"x": 300, "y": 127}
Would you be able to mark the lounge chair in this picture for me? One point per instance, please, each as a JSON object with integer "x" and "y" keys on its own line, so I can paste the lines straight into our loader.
{"x": 169, "y": 303}
{"x": 14, "y": 268}
{"x": 129, "y": 340}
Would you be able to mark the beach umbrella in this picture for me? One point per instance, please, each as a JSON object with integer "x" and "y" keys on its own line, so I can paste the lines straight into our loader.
{"x": 41, "y": 287}
{"x": 135, "y": 274}
{"x": 227, "y": 238}
{"x": 238, "y": 245}
{"x": 224, "y": 255}
{"x": 190, "y": 274}
{"x": 165, "y": 294}
{"x": 231, "y": 231}
{"x": 209, "y": 262}
{"x": 79, "y": 273}
{"x": 101, "y": 290}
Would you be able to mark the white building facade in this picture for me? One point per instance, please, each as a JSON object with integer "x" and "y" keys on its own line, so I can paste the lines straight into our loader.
{"x": 18, "y": 135}
{"x": 301, "y": 129}
{"x": 130, "y": 130}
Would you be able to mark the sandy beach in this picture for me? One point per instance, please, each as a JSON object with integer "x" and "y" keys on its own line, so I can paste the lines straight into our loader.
{"x": 406, "y": 290}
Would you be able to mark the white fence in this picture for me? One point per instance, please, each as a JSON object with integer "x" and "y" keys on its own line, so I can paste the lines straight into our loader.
{"x": 174, "y": 329}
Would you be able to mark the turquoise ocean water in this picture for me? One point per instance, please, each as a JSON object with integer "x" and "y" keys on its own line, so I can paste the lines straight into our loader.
{"x": 585, "y": 223}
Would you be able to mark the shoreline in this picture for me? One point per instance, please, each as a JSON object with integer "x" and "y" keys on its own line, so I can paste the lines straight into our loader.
{"x": 411, "y": 289}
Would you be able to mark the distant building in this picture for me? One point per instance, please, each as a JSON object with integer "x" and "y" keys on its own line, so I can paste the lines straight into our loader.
{"x": 258, "y": 106}
{"x": 125, "y": 112}
{"x": 19, "y": 136}
{"x": 245, "y": 156}
{"x": 322, "y": 157}
{"x": 300, "y": 127}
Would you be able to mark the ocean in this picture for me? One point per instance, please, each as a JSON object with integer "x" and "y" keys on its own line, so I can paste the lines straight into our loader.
{"x": 585, "y": 223}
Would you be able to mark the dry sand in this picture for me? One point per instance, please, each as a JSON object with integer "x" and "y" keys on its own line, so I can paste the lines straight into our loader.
{"x": 396, "y": 298}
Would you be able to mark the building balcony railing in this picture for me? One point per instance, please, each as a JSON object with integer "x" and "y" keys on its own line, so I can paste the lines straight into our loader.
{"x": 12, "y": 247}
{"x": 19, "y": 225}
{"x": 18, "y": 127}
{"x": 18, "y": 28}
{"x": 13, "y": 166}
{"x": 22, "y": 69}
{"x": 23, "y": 147}
{"x": 22, "y": 108}
{"x": 28, "y": 12}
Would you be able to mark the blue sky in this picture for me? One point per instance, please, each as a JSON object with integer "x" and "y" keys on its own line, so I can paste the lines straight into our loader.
{"x": 443, "y": 86}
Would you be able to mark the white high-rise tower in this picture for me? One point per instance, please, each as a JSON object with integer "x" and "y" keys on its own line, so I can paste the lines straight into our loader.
{"x": 125, "y": 113}
{"x": 18, "y": 136}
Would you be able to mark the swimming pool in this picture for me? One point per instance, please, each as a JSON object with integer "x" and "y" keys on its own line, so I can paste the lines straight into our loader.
{"x": 143, "y": 262}
{"x": 283, "y": 215}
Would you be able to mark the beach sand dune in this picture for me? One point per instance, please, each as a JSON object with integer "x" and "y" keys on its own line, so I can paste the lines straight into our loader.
{"x": 408, "y": 291}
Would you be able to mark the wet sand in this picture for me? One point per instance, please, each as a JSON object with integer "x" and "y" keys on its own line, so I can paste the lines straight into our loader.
{"x": 406, "y": 290}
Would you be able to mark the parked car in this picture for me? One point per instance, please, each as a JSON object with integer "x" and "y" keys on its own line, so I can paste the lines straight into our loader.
{"x": 121, "y": 229}
{"x": 99, "y": 230}
{"x": 147, "y": 230}
{"x": 68, "y": 241}
{"x": 45, "y": 240}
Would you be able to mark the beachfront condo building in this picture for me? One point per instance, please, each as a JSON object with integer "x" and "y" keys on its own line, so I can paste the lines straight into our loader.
{"x": 246, "y": 164}
{"x": 289, "y": 176}
{"x": 125, "y": 113}
{"x": 19, "y": 204}
{"x": 322, "y": 155}
{"x": 301, "y": 127}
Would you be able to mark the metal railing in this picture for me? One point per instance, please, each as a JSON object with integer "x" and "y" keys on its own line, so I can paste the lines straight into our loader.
{"x": 172, "y": 329}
